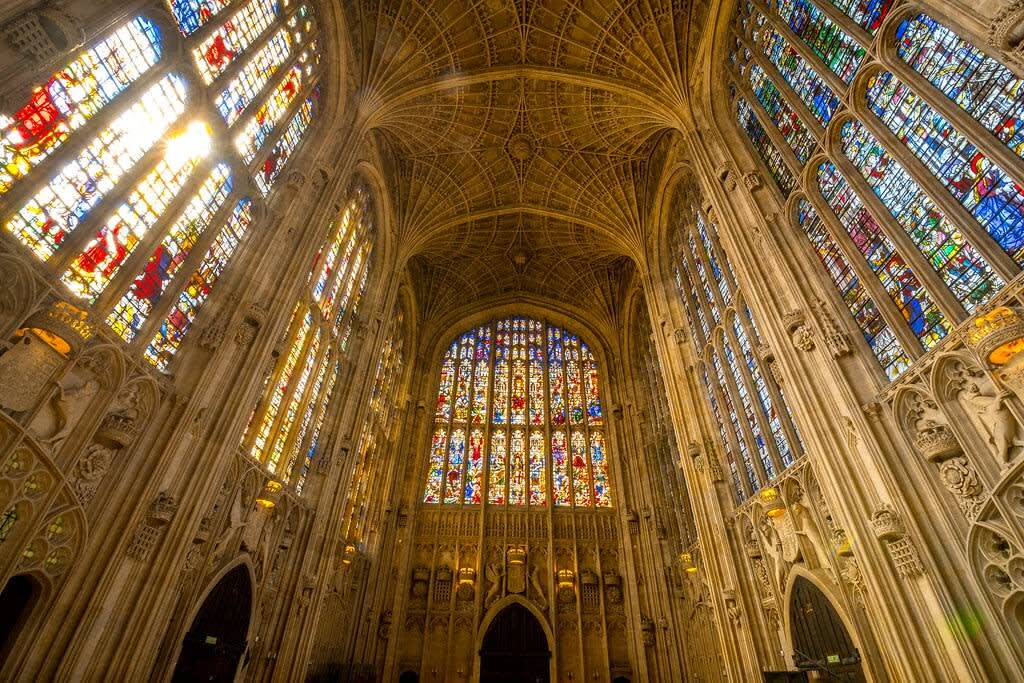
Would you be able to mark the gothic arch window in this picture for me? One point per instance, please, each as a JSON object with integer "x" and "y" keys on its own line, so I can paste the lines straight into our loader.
{"x": 906, "y": 143}
{"x": 379, "y": 427}
{"x": 755, "y": 425}
{"x": 518, "y": 420}
{"x": 284, "y": 429}
{"x": 135, "y": 193}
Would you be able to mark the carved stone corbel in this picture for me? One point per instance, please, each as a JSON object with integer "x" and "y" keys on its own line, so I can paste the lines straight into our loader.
{"x": 1006, "y": 34}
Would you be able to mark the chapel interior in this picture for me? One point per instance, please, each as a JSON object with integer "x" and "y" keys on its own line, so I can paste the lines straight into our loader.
{"x": 512, "y": 341}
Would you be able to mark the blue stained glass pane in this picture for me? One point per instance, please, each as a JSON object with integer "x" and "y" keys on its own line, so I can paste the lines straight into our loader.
{"x": 979, "y": 185}
{"x": 804, "y": 80}
{"x": 867, "y": 13}
{"x": 764, "y": 147}
{"x": 730, "y": 457}
{"x": 191, "y": 14}
{"x": 734, "y": 422}
{"x": 782, "y": 115}
{"x": 964, "y": 270}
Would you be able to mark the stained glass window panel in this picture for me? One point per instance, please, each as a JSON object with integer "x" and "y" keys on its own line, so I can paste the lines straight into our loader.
{"x": 962, "y": 268}
{"x": 274, "y": 164}
{"x": 594, "y": 416}
{"x": 979, "y": 185}
{"x": 252, "y": 136}
{"x": 600, "y": 463}
{"x": 867, "y": 13}
{"x": 178, "y": 322}
{"x": 765, "y": 147}
{"x": 59, "y": 206}
{"x": 103, "y": 256}
{"x": 497, "y": 467}
{"x": 250, "y": 81}
{"x": 841, "y": 53}
{"x": 580, "y": 471}
{"x": 538, "y": 475}
{"x": 270, "y": 413}
{"x": 481, "y": 376}
{"x": 464, "y": 378}
{"x": 475, "y": 468}
{"x": 914, "y": 302}
{"x": 435, "y": 476}
{"x": 977, "y": 83}
{"x": 167, "y": 259}
{"x": 805, "y": 81}
{"x": 879, "y": 336}
{"x": 729, "y": 455}
{"x": 191, "y": 14}
{"x": 517, "y": 468}
{"x": 228, "y": 41}
{"x": 74, "y": 95}
{"x": 456, "y": 454}
{"x": 792, "y": 129}
{"x": 444, "y": 394}
{"x": 561, "y": 491}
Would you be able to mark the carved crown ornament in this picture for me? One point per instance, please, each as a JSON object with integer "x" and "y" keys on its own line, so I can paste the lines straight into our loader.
{"x": 997, "y": 336}
{"x": 937, "y": 442}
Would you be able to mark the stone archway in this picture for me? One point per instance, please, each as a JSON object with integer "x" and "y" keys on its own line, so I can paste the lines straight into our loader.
{"x": 515, "y": 648}
{"x": 217, "y": 638}
{"x": 819, "y": 637}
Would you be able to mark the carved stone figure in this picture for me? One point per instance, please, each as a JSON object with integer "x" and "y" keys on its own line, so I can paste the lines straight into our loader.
{"x": 538, "y": 587}
{"x": 773, "y": 553}
{"x": 997, "y": 421}
{"x": 496, "y": 578}
{"x": 813, "y": 545}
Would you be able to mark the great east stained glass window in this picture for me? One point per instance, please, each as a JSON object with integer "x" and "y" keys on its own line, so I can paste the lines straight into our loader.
{"x": 518, "y": 420}
{"x": 134, "y": 202}
{"x": 759, "y": 437}
{"x": 916, "y": 212}
{"x": 285, "y": 425}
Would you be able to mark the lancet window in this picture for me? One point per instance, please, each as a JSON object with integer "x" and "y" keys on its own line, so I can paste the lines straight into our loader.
{"x": 900, "y": 144}
{"x": 284, "y": 430}
{"x": 135, "y": 194}
{"x": 753, "y": 419}
{"x": 379, "y": 429}
{"x": 518, "y": 420}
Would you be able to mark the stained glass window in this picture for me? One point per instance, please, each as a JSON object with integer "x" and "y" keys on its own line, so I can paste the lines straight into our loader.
{"x": 907, "y": 132}
{"x": 285, "y": 429}
{"x": 135, "y": 205}
{"x": 754, "y": 422}
{"x": 879, "y": 336}
{"x": 541, "y": 380}
{"x": 73, "y": 95}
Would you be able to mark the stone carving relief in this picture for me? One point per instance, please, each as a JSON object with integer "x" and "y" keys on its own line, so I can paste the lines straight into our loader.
{"x": 836, "y": 340}
{"x": 1006, "y": 33}
{"x": 799, "y": 331}
{"x": 888, "y": 528}
{"x": 150, "y": 531}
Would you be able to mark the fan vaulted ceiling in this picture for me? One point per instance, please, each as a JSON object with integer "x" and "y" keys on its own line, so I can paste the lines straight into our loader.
{"x": 520, "y": 134}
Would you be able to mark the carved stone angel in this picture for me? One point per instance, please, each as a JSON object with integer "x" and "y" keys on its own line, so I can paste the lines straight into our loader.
{"x": 538, "y": 587}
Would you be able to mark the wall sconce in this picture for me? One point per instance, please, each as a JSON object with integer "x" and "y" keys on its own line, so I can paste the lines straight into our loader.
{"x": 686, "y": 559}
{"x": 349, "y": 554}
{"x": 467, "y": 576}
{"x": 270, "y": 495}
{"x": 773, "y": 505}
{"x": 566, "y": 579}
{"x": 997, "y": 336}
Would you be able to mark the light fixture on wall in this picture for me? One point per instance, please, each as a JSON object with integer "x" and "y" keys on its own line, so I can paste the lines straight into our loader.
{"x": 349, "y": 554}
{"x": 63, "y": 327}
{"x": 686, "y": 559}
{"x": 773, "y": 505}
{"x": 997, "y": 336}
{"x": 270, "y": 495}
{"x": 566, "y": 579}
{"x": 467, "y": 576}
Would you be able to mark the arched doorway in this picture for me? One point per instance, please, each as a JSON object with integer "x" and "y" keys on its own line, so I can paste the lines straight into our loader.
{"x": 16, "y": 602}
{"x": 820, "y": 639}
{"x": 217, "y": 638}
{"x": 515, "y": 649}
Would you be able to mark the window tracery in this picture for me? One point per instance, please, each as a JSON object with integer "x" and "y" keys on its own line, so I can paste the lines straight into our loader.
{"x": 907, "y": 124}
{"x": 285, "y": 426}
{"x": 754, "y": 422}
{"x": 107, "y": 177}
{"x": 536, "y": 438}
